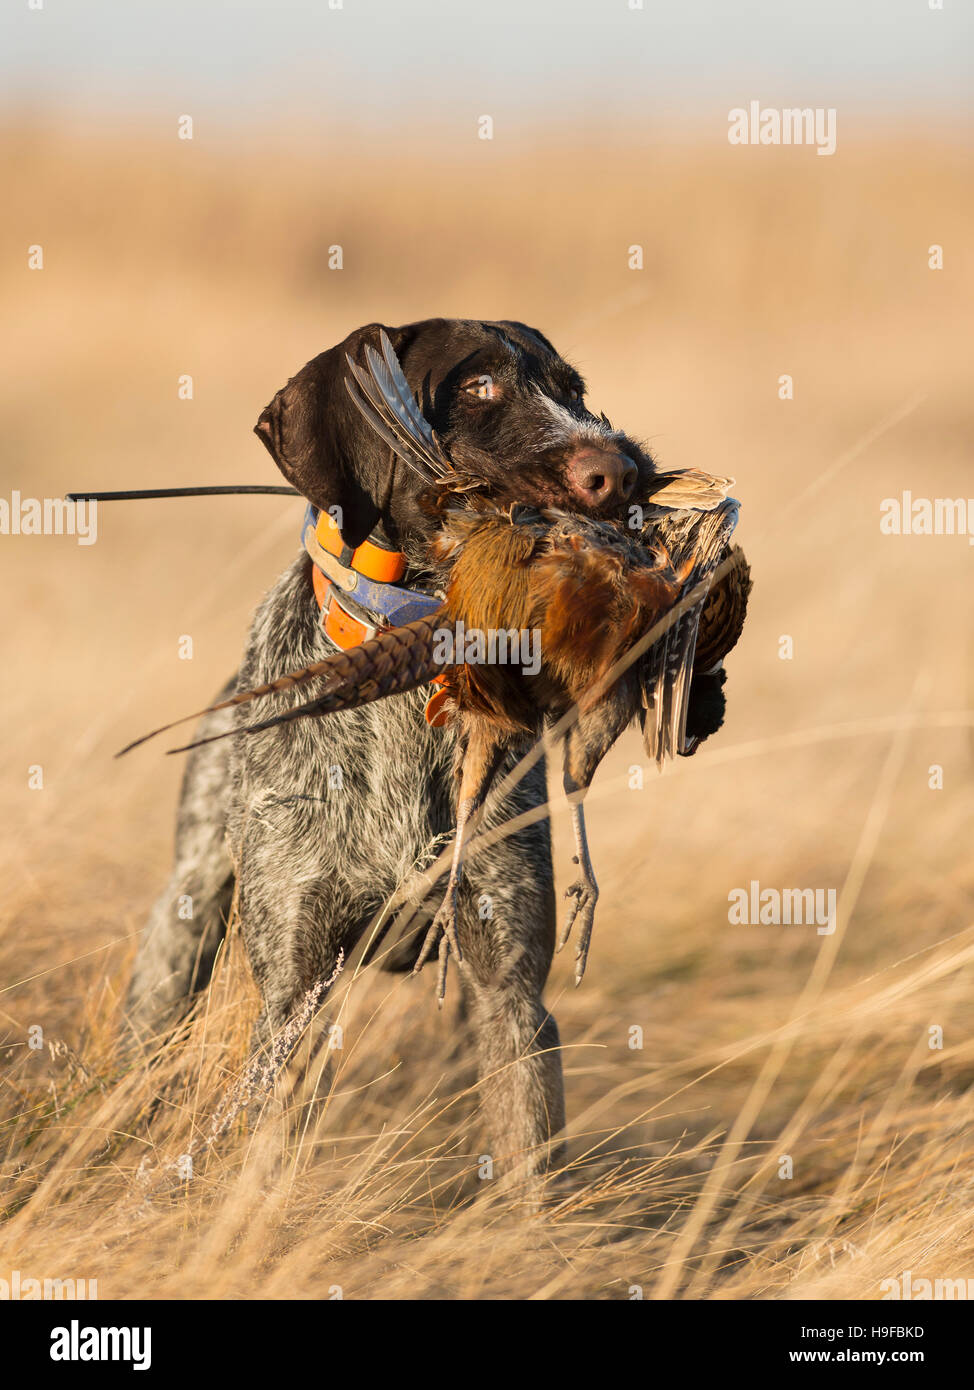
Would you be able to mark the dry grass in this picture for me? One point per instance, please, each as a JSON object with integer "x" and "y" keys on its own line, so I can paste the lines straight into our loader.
{"x": 757, "y": 1041}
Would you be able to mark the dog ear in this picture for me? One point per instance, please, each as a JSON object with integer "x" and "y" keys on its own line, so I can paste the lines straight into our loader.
{"x": 524, "y": 331}
{"x": 321, "y": 443}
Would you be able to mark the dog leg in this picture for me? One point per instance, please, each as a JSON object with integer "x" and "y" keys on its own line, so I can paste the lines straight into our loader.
{"x": 507, "y": 930}
{"x": 290, "y": 1033}
{"x": 188, "y": 921}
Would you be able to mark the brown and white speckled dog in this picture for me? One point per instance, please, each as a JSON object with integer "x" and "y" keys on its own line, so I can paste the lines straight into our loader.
{"x": 314, "y": 863}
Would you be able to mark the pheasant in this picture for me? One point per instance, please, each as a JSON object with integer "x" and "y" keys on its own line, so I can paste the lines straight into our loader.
{"x": 633, "y": 623}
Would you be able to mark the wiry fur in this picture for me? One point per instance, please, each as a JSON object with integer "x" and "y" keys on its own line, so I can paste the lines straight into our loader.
{"x": 313, "y": 862}
{"x": 319, "y": 822}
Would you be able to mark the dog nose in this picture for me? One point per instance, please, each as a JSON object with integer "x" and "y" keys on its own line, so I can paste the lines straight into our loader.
{"x": 598, "y": 477}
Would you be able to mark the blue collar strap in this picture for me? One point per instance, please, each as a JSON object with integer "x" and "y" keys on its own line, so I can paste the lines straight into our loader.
{"x": 391, "y": 604}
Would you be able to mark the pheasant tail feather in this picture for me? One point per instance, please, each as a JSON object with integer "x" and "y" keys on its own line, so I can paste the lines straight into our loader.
{"x": 389, "y": 664}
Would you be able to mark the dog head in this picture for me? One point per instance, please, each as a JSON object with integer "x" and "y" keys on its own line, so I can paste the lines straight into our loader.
{"x": 506, "y": 407}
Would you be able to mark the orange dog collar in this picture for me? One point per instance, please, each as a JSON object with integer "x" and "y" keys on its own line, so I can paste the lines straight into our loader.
{"x": 371, "y": 558}
{"x": 342, "y": 619}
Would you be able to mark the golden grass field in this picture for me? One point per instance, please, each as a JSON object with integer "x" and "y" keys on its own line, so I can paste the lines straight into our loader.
{"x": 758, "y": 1041}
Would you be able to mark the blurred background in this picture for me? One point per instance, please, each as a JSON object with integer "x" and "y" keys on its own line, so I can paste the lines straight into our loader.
{"x": 357, "y": 126}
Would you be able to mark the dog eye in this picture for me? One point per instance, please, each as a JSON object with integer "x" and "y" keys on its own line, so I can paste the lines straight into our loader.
{"x": 574, "y": 395}
{"x": 481, "y": 387}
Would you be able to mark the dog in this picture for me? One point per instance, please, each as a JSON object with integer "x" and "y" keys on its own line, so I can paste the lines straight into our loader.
{"x": 315, "y": 825}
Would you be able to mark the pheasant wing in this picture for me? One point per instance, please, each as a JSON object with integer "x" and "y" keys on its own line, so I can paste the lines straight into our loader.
{"x": 688, "y": 489}
{"x": 697, "y": 541}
